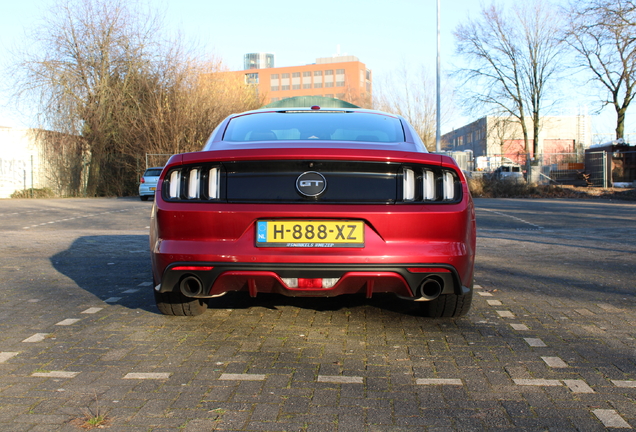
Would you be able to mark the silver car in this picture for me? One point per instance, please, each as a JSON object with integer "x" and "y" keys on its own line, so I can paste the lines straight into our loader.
{"x": 148, "y": 183}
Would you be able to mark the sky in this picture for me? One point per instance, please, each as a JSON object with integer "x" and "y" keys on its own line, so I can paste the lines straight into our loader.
{"x": 384, "y": 35}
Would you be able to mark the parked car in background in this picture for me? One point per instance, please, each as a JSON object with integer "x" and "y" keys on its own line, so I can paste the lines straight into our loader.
{"x": 509, "y": 172}
{"x": 313, "y": 202}
{"x": 148, "y": 183}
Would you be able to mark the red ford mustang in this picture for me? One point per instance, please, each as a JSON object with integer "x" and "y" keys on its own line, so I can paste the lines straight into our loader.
{"x": 313, "y": 202}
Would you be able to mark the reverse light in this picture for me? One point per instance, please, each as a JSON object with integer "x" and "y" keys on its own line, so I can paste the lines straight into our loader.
{"x": 309, "y": 283}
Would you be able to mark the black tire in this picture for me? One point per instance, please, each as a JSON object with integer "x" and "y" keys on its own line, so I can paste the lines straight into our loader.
{"x": 447, "y": 306}
{"x": 143, "y": 197}
{"x": 175, "y": 303}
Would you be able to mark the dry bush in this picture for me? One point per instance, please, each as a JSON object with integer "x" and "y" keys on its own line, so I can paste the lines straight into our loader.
{"x": 112, "y": 87}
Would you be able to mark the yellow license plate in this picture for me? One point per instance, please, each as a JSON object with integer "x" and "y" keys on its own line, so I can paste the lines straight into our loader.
{"x": 309, "y": 234}
{"x": 152, "y": 188}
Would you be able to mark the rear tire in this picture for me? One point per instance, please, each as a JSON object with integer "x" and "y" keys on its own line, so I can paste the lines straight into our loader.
{"x": 447, "y": 306}
{"x": 143, "y": 197}
{"x": 175, "y": 303}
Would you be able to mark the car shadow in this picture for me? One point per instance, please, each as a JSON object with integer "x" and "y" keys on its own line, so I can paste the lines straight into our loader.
{"x": 110, "y": 267}
{"x": 118, "y": 267}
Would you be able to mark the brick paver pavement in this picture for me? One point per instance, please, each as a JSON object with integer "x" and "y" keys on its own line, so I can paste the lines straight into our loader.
{"x": 549, "y": 344}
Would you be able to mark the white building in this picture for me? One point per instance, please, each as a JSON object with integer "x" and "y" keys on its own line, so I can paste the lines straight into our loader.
{"x": 20, "y": 161}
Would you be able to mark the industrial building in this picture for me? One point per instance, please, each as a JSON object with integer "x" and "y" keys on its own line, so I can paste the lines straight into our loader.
{"x": 340, "y": 77}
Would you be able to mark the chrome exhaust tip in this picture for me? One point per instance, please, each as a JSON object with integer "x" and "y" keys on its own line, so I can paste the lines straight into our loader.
{"x": 430, "y": 289}
{"x": 191, "y": 286}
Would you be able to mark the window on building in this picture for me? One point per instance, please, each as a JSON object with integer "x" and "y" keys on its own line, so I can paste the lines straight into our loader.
{"x": 329, "y": 84}
{"x": 274, "y": 88}
{"x": 274, "y": 76}
{"x": 340, "y": 72}
{"x": 340, "y": 83}
{"x": 307, "y": 73}
{"x": 251, "y": 78}
{"x": 296, "y": 87}
{"x": 318, "y": 85}
{"x": 296, "y": 75}
{"x": 285, "y": 75}
{"x": 329, "y": 72}
{"x": 307, "y": 86}
{"x": 317, "y": 73}
{"x": 285, "y": 87}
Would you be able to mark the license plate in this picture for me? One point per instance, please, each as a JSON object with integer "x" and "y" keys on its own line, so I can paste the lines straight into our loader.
{"x": 309, "y": 234}
{"x": 152, "y": 188}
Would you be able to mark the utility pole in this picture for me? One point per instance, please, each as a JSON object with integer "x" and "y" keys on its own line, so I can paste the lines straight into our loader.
{"x": 438, "y": 136}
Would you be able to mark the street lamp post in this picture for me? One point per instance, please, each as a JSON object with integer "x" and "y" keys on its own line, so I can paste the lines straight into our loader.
{"x": 438, "y": 135}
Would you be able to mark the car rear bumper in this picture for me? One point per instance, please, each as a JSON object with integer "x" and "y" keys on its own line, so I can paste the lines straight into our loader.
{"x": 409, "y": 281}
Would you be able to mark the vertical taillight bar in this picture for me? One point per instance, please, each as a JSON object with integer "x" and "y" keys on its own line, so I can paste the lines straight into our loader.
{"x": 449, "y": 185}
{"x": 428, "y": 185}
{"x": 213, "y": 183}
{"x": 193, "y": 183}
{"x": 408, "y": 191}
{"x": 175, "y": 184}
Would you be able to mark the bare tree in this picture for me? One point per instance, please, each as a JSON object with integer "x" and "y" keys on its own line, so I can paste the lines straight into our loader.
{"x": 113, "y": 86}
{"x": 413, "y": 96}
{"x": 512, "y": 58}
{"x": 603, "y": 35}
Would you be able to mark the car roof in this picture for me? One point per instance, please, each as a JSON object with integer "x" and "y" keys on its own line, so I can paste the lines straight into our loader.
{"x": 216, "y": 141}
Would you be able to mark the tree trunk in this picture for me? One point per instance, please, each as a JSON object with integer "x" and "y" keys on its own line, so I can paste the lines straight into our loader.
{"x": 620, "y": 122}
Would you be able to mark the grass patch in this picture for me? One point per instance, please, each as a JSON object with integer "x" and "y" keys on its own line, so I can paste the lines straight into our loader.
{"x": 94, "y": 418}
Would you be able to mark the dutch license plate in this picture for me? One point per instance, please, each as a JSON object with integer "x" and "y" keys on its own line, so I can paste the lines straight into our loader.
{"x": 152, "y": 188}
{"x": 309, "y": 234}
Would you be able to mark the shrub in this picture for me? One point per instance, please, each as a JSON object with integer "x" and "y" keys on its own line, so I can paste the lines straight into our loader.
{"x": 33, "y": 193}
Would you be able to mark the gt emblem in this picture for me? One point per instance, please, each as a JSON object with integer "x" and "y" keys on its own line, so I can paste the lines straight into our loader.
{"x": 311, "y": 183}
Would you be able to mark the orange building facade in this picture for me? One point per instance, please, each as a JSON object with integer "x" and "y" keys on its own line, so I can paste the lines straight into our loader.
{"x": 342, "y": 77}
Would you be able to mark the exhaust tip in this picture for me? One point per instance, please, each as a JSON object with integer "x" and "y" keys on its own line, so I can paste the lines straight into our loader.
{"x": 191, "y": 286}
{"x": 430, "y": 289}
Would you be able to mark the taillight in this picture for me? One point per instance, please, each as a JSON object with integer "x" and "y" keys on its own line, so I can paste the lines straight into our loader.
{"x": 142, "y": 180}
{"x": 430, "y": 184}
{"x": 193, "y": 183}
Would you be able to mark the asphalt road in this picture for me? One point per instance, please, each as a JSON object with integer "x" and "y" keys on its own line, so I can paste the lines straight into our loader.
{"x": 549, "y": 344}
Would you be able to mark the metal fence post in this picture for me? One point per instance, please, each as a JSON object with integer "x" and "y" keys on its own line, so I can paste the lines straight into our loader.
{"x": 605, "y": 170}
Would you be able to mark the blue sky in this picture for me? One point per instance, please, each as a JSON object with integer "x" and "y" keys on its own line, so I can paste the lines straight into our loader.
{"x": 382, "y": 34}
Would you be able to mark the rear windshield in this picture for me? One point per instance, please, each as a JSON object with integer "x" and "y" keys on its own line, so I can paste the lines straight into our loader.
{"x": 315, "y": 125}
{"x": 153, "y": 172}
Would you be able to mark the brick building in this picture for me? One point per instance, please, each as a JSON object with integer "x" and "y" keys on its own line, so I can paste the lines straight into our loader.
{"x": 340, "y": 77}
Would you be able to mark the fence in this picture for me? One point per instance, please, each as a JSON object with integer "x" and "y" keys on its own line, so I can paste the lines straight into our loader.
{"x": 590, "y": 168}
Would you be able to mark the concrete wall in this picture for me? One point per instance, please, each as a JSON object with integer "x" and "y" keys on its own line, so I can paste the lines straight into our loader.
{"x": 18, "y": 148}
